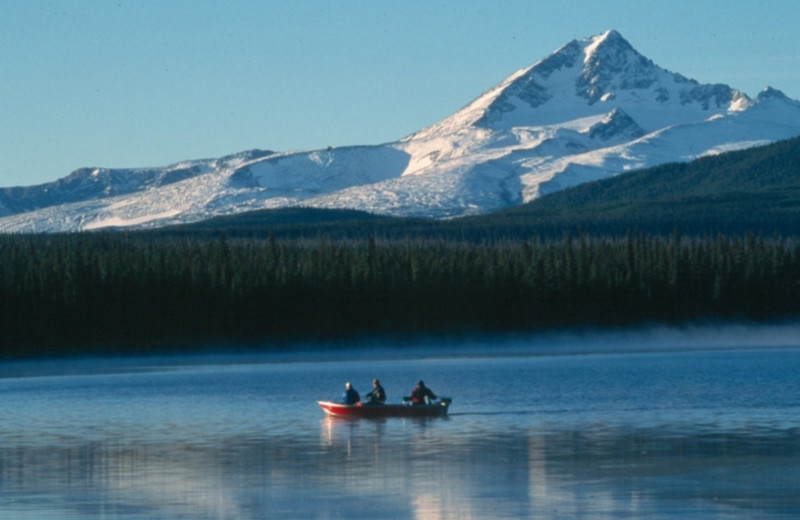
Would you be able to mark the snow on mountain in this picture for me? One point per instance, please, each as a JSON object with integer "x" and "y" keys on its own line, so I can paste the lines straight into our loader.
{"x": 592, "y": 109}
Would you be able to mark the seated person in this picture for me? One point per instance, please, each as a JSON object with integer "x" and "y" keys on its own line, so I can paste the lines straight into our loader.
{"x": 377, "y": 395}
{"x": 421, "y": 394}
{"x": 350, "y": 395}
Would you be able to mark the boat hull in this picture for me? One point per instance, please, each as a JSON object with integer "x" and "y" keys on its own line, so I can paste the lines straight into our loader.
{"x": 384, "y": 410}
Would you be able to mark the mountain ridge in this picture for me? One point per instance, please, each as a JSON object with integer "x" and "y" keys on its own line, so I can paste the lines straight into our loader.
{"x": 752, "y": 191}
{"x": 592, "y": 109}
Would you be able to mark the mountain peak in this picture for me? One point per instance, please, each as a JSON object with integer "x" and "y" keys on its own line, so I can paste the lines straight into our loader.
{"x": 589, "y": 70}
{"x": 599, "y": 73}
{"x": 613, "y": 34}
{"x": 610, "y": 39}
{"x": 610, "y": 63}
{"x": 772, "y": 93}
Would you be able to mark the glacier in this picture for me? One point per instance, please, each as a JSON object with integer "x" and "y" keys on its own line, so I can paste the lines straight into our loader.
{"x": 592, "y": 109}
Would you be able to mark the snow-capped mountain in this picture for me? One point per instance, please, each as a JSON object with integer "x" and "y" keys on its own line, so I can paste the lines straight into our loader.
{"x": 592, "y": 109}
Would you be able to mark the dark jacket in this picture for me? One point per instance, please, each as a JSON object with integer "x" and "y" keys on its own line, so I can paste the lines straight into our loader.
{"x": 419, "y": 394}
{"x": 350, "y": 396}
{"x": 377, "y": 395}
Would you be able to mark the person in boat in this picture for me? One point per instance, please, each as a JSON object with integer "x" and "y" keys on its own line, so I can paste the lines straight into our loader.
{"x": 350, "y": 395}
{"x": 377, "y": 395}
{"x": 421, "y": 394}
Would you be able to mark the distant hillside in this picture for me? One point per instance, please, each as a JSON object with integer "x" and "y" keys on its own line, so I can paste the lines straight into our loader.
{"x": 750, "y": 190}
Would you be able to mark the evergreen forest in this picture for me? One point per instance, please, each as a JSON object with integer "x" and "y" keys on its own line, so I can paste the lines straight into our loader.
{"x": 119, "y": 292}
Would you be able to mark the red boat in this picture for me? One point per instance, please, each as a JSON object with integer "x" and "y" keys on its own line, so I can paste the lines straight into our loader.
{"x": 370, "y": 411}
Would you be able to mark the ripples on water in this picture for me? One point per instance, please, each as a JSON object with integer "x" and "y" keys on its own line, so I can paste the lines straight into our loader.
{"x": 704, "y": 434}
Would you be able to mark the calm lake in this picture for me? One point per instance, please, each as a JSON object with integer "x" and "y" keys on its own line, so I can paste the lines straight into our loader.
{"x": 615, "y": 426}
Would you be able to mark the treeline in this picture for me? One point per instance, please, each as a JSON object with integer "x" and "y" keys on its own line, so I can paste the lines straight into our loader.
{"x": 132, "y": 292}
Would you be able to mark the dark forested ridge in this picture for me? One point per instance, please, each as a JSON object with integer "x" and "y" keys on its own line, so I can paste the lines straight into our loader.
{"x": 115, "y": 292}
{"x": 754, "y": 190}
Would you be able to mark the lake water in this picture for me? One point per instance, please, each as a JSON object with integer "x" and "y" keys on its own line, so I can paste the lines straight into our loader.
{"x": 539, "y": 430}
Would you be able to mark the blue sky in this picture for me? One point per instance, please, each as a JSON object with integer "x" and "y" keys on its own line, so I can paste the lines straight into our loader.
{"x": 130, "y": 83}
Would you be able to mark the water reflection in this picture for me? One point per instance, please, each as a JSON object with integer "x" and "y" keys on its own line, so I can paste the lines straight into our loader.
{"x": 211, "y": 447}
{"x": 602, "y": 473}
{"x": 359, "y": 469}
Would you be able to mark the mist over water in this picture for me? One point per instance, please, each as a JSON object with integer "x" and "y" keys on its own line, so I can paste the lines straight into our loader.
{"x": 643, "y": 339}
{"x": 697, "y": 422}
